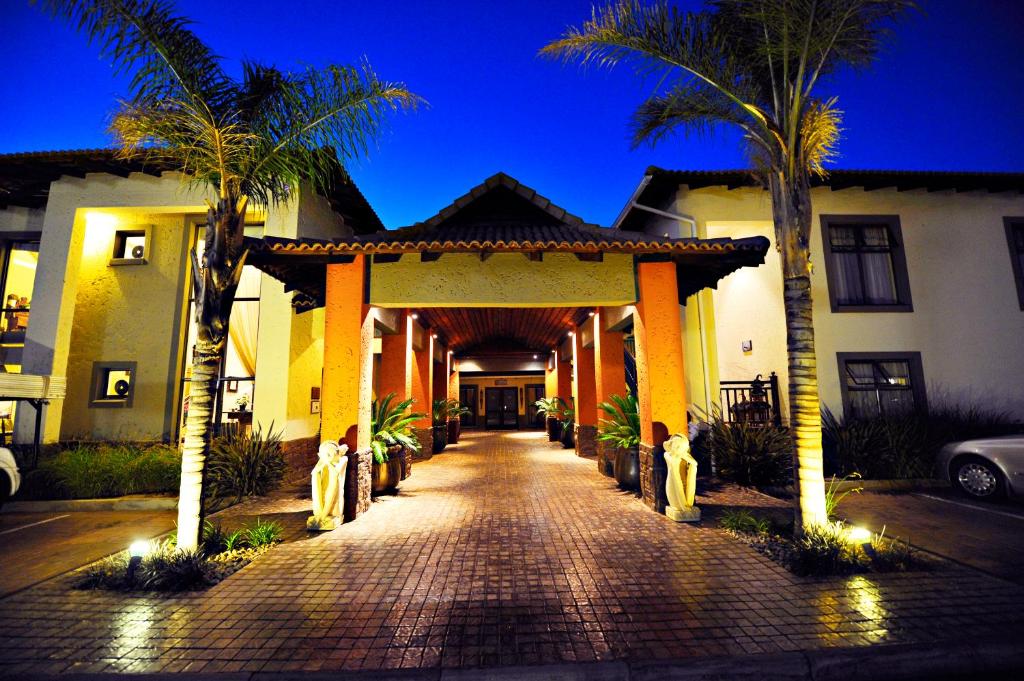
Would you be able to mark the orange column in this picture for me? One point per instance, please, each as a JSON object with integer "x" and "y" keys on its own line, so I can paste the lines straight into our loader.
{"x": 564, "y": 375}
{"x": 584, "y": 391}
{"x": 421, "y": 386}
{"x": 659, "y": 370}
{"x": 551, "y": 376}
{"x": 453, "y": 377}
{"x": 609, "y": 362}
{"x": 348, "y": 356}
{"x": 396, "y": 360}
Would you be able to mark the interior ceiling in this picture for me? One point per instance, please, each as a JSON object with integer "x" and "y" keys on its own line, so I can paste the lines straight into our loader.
{"x": 469, "y": 328}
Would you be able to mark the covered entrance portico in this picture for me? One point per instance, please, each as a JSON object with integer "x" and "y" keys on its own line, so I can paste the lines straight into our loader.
{"x": 502, "y": 264}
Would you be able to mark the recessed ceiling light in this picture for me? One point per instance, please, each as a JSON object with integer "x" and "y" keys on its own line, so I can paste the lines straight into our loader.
{"x": 415, "y": 316}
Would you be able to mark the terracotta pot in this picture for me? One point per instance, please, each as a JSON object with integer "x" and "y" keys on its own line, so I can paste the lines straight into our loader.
{"x": 627, "y": 468}
{"x": 554, "y": 429}
{"x": 387, "y": 475}
{"x": 454, "y": 430}
{"x": 440, "y": 438}
{"x": 568, "y": 436}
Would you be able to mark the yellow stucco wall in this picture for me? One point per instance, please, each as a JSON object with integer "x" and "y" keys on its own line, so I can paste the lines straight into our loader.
{"x": 961, "y": 284}
{"x": 126, "y": 313}
{"x": 482, "y": 382}
{"x": 504, "y": 279}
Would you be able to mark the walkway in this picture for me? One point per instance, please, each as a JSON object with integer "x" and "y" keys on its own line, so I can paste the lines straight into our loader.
{"x": 502, "y": 550}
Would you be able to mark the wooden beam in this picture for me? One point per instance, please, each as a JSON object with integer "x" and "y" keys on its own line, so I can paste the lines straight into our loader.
{"x": 430, "y": 256}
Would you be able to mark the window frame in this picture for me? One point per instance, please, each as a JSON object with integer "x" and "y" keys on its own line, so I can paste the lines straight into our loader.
{"x": 97, "y": 394}
{"x": 1013, "y": 223}
{"x": 121, "y": 235}
{"x": 897, "y": 252}
{"x": 914, "y": 365}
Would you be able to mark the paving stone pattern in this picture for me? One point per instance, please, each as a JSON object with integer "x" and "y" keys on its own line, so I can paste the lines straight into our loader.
{"x": 505, "y": 549}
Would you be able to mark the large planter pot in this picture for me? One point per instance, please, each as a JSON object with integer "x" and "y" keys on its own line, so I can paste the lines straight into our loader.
{"x": 386, "y": 476}
{"x": 627, "y": 468}
{"x": 554, "y": 429}
{"x": 440, "y": 438}
{"x": 454, "y": 430}
{"x": 568, "y": 436}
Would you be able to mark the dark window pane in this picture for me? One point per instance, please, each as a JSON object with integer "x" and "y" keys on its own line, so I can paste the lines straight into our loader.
{"x": 847, "y": 279}
{"x": 879, "y": 282}
{"x": 875, "y": 237}
{"x": 1018, "y": 237}
{"x": 842, "y": 237}
{"x": 860, "y": 374}
{"x": 863, "y": 404}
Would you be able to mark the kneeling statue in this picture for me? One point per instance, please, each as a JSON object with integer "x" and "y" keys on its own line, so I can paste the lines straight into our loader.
{"x": 328, "y": 479}
{"x": 681, "y": 481}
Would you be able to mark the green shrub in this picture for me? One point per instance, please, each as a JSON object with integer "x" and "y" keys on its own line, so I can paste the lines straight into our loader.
{"x": 742, "y": 520}
{"x": 94, "y": 470}
{"x": 824, "y": 550}
{"x": 242, "y": 465}
{"x": 262, "y": 534}
{"x": 172, "y": 569}
{"x": 904, "y": 446}
{"x": 750, "y": 455}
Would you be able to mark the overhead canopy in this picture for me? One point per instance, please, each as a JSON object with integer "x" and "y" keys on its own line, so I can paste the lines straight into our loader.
{"x": 500, "y": 216}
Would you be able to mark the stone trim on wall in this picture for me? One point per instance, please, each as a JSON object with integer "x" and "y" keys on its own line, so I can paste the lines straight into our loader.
{"x": 652, "y": 477}
{"x": 586, "y": 440}
{"x": 425, "y": 436}
{"x": 300, "y": 456}
{"x": 358, "y": 483}
{"x": 605, "y": 458}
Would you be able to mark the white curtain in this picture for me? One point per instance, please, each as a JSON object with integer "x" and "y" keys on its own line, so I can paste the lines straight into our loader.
{"x": 864, "y": 274}
{"x": 243, "y": 331}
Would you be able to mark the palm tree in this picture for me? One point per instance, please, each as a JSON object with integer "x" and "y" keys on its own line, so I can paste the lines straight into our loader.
{"x": 754, "y": 64}
{"x": 252, "y": 139}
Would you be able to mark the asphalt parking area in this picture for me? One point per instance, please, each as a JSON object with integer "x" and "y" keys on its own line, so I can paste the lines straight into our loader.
{"x": 986, "y": 536}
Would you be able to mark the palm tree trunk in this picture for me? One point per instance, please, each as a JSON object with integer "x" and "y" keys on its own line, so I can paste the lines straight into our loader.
{"x": 791, "y": 206}
{"x": 214, "y": 286}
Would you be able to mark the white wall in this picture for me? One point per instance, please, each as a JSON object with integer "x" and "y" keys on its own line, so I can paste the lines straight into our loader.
{"x": 967, "y": 322}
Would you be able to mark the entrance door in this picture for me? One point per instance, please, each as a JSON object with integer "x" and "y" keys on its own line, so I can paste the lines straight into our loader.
{"x": 502, "y": 406}
{"x": 467, "y": 398}
{"x": 534, "y": 392}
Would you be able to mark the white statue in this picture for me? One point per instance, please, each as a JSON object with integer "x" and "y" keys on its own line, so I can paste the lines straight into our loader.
{"x": 328, "y": 479}
{"x": 681, "y": 481}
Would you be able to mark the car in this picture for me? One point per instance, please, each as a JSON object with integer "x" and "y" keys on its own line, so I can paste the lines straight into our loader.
{"x": 986, "y": 468}
{"x": 10, "y": 479}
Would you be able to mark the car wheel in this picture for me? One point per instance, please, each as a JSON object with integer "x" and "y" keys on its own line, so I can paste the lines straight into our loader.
{"x": 977, "y": 478}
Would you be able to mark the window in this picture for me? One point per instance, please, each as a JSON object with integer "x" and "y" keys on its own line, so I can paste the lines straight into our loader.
{"x": 113, "y": 384}
{"x": 1015, "y": 237}
{"x": 881, "y": 383}
{"x": 131, "y": 247}
{"x": 20, "y": 260}
{"x": 235, "y": 395}
{"x": 865, "y": 263}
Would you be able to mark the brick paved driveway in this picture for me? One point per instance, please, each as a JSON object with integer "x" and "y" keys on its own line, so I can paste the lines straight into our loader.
{"x": 502, "y": 550}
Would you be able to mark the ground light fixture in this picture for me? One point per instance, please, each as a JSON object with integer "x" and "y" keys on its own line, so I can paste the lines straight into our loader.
{"x": 862, "y": 536}
{"x": 137, "y": 549}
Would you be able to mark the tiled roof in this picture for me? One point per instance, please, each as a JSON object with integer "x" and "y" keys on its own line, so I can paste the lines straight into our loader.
{"x": 25, "y": 180}
{"x": 503, "y": 180}
{"x": 505, "y": 237}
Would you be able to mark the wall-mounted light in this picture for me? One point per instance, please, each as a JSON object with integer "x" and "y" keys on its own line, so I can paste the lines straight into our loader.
{"x": 415, "y": 316}
{"x": 590, "y": 314}
{"x": 571, "y": 334}
{"x": 434, "y": 336}
{"x": 535, "y": 356}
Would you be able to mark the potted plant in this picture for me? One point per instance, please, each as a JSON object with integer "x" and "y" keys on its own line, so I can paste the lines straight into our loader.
{"x": 551, "y": 408}
{"x": 622, "y": 430}
{"x": 568, "y": 423}
{"x": 455, "y": 413}
{"x": 392, "y": 440}
{"x": 440, "y": 423}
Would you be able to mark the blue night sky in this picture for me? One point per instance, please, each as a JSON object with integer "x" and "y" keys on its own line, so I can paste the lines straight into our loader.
{"x": 947, "y": 94}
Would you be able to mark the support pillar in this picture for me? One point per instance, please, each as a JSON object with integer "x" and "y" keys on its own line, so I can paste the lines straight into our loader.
{"x": 348, "y": 377}
{"x": 421, "y": 386}
{"x": 659, "y": 367}
{"x": 584, "y": 393}
{"x": 609, "y": 379}
{"x": 396, "y": 361}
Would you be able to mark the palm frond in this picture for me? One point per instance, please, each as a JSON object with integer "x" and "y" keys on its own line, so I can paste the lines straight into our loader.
{"x": 819, "y": 134}
{"x": 146, "y": 39}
